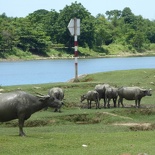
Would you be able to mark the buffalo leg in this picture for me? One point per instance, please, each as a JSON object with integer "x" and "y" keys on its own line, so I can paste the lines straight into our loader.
{"x": 105, "y": 102}
{"x": 55, "y": 110}
{"x": 108, "y": 103}
{"x": 45, "y": 108}
{"x": 136, "y": 103}
{"x": 120, "y": 100}
{"x": 90, "y": 104}
{"x": 21, "y": 125}
{"x": 98, "y": 103}
{"x": 139, "y": 103}
{"x": 114, "y": 101}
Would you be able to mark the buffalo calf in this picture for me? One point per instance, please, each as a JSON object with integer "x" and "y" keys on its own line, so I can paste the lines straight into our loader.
{"x": 90, "y": 96}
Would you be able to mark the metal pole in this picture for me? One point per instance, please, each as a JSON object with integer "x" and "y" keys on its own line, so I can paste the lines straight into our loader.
{"x": 76, "y": 57}
{"x": 76, "y": 50}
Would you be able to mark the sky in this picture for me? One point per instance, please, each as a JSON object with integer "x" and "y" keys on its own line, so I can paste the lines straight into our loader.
{"x": 21, "y": 8}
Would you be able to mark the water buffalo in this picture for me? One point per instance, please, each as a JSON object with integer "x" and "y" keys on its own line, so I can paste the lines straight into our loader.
{"x": 132, "y": 93}
{"x": 111, "y": 93}
{"x": 100, "y": 88}
{"x": 57, "y": 93}
{"x": 90, "y": 96}
{"x": 20, "y": 105}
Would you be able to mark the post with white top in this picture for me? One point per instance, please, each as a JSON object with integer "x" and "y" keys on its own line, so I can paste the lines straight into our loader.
{"x": 74, "y": 28}
{"x": 76, "y": 57}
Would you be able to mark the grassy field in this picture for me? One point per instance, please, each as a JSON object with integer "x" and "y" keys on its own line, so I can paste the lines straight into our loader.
{"x": 81, "y": 131}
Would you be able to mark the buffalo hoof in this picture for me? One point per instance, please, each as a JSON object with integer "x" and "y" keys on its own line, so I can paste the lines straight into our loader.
{"x": 22, "y": 135}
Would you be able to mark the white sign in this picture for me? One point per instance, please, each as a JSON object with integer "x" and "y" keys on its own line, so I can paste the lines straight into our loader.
{"x": 74, "y": 26}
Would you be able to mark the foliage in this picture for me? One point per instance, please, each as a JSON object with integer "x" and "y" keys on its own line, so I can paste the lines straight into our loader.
{"x": 40, "y": 30}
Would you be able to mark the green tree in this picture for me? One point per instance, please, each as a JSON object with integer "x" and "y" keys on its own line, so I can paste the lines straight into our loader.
{"x": 87, "y": 25}
{"x": 127, "y": 15}
{"x": 150, "y": 30}
{"x": 103, "y": 33}
{"x": 47, "y": 19}
{"x": 32, "y": 36}
{"x": 138, "y": 40}
{"x": 7, "y": 33}
{"x": 42, "y": 28}
{"x": 113, "y": 16}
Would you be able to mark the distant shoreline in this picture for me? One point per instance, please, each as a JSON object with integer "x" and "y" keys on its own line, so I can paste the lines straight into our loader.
{"x": 81, "y": 57}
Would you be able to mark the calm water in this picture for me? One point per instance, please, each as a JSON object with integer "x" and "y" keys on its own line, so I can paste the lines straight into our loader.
{"x": 47, "y": 71}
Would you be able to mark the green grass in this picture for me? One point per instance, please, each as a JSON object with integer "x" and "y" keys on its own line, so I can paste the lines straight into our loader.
{"x": 71, "y": 143}
{"x": 65, "y": 133}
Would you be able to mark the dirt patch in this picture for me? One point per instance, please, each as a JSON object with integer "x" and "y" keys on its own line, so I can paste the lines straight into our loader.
{"x": 138, "y": 126}
{"x": 79, "y": 78}
{"x": 107, "y": 113}
{"x": 133, "y": 124}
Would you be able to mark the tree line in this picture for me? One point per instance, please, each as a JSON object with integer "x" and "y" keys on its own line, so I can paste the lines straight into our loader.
{"x": 42, "y": 30}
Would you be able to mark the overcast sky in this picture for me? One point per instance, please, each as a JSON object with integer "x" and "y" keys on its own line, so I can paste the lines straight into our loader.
{"x": 21, "y": 8}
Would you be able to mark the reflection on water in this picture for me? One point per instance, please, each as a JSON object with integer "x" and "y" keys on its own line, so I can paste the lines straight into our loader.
{"x": 47, "y": 71}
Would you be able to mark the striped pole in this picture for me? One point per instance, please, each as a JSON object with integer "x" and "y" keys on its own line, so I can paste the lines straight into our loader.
{"x": 74, "y": 28}
{"x": 76, "y": 57}
{"x": 76, "y": 50}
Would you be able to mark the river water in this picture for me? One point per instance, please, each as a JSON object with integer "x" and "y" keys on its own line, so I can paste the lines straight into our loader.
{"x": 49, "y": 71}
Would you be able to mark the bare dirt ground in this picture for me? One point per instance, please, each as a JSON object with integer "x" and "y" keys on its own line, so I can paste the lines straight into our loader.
{"x": 134, "y": 124}
{"x": 107, "y": 113}
{"x": 129, "y": 124}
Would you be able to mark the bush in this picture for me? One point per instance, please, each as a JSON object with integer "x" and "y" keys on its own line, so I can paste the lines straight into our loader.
{"x": 152, "y": 47}
{"x": 16, "y": 54}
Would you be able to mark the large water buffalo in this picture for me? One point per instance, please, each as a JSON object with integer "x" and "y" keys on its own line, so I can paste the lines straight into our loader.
{"x": 90, "y": 96}
{"x": 132, "y": 93}
{"x": 111, "y": 93}
{"x": 100, "y": 88}
{"x": 57, "y": 93}
{"x": 21, "y": 105}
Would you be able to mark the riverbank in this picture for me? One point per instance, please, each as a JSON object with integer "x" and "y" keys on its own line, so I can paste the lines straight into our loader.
{"x": 37, "y": 57}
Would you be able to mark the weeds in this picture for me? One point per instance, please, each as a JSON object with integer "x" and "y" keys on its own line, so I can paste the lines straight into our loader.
{"x": 142, "y": 127}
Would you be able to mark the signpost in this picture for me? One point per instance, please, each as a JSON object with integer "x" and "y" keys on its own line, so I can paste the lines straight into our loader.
{"x": 74, "y": 28}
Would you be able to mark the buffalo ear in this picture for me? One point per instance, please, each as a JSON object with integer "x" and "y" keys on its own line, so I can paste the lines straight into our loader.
{"x": 41, "y": 96}
{"x": 45, "y": 97}
{"x": 144, "y": 90}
